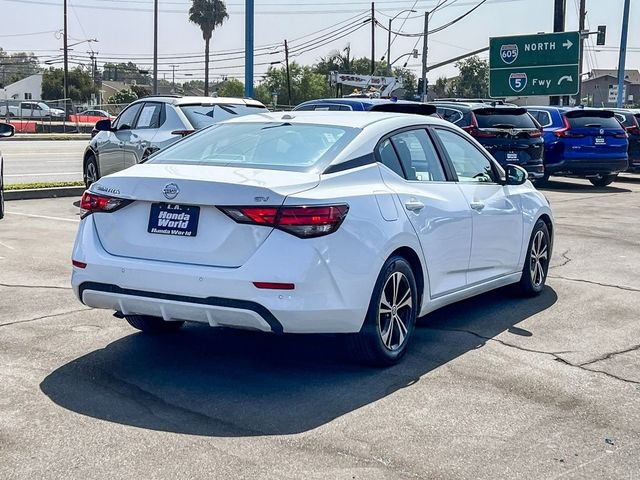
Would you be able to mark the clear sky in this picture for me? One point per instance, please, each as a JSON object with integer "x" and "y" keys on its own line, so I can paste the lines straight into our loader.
{"x": 124, "y": 29}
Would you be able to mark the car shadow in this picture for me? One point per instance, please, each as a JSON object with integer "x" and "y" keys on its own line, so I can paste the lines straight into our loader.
{"x": 585, "y": 186}
{"x": 210, "y": 382}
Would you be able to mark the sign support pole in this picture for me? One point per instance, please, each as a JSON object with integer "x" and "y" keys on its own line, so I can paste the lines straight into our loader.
{"x": 623, "y": 53}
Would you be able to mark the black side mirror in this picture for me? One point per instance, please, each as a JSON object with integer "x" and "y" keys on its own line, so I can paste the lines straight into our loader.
{"x": 7, "y": 130}
{"x": 516, "y": 175}
{"x": 103, "y": 125}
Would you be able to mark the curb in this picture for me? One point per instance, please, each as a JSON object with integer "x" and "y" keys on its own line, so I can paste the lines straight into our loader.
{"x": 36, "y": 193}
{"x": 22, "y": 137}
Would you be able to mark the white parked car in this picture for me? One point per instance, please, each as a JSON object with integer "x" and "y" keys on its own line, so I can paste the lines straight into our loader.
{"x": 31, "y": 110}
{"x": 311, "y": 222}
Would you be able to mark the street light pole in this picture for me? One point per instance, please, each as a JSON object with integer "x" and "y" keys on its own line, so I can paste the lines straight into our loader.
{"x": 623, "y": 53}
{"x": 389, "y": 40}
{"x": 248, "y": 48}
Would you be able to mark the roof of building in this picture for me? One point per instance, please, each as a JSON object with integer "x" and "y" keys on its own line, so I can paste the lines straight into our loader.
{"x": 633, "y": 76}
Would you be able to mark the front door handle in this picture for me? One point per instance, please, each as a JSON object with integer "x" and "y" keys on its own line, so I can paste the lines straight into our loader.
{"x": 414, "y": 205}
{"x": 121, "y": 144}
{"x": 477, "y": 205}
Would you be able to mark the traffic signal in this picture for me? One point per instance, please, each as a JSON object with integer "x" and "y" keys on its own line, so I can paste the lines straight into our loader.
{"x": 420, "y": 86}
{"x": 602, "y": 35}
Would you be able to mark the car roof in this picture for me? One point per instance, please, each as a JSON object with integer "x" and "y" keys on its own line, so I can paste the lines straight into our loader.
{"x": 174, "y": 100}
{"x": 356, "y": 100}
{"x": 341, "y": 118}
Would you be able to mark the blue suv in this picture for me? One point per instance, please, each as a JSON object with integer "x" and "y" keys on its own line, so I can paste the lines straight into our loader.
{"x": 582, "y": 142}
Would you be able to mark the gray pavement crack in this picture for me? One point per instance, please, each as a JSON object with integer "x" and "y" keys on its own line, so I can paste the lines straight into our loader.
{"x": 608, "y": 285}
{"x": 565, "y": 260}
{"x": 611, "y": 355}
{"x": 44, "y": 317}
{"x": 555, "y": 355}
{"x": 52, "y": 287}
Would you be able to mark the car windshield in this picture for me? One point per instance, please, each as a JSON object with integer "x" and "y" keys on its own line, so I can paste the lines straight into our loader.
{"x": 499, "y": 118}
{"x": 201, "y": 116}
{"x": 276, "y": 146}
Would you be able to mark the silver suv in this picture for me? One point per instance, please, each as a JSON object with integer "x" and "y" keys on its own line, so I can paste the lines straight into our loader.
{"x": 150, "y": 124}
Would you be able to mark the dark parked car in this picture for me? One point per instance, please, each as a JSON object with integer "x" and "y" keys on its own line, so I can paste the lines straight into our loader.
{"x": 6, "y": 130}
{"x": 508, "y": 132}
{"x": 583, "y": 142}
{"x": 630, "y": 120}
{"x": 368, "y": 105}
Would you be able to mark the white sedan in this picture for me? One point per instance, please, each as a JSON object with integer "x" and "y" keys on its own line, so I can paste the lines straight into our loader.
{"x": 311, "y": 222}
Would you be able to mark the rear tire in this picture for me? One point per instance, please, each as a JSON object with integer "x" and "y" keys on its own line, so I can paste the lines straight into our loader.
{"x": 536, "y": 265}
{"x": 91, "y": 174}
{"x": 603, "y": 180}
{"x": 541, "y": 182}
{"x": 148, "y": 324}
{"x": 391, "y": 317}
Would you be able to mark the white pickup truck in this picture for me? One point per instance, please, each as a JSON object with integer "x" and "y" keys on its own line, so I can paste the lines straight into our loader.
{"x": 31, "y": 110}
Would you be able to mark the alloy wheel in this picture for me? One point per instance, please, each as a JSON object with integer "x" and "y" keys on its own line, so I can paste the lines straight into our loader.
{"x": 394, "y": 311}
{"x": 539, "y": 258}
{"x": 92, "y": 174}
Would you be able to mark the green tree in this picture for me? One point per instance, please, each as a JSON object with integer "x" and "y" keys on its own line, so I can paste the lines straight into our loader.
{"x": 81, "y": 86}
{"x": 409, "y": 82}
{"x": 439, "y": 89}
{"x": 124, "y": 96}
{"x": 306, "y": 84}
{"x": 473, "y": 80}
{"x": 125, "y": 72}
{"x": 208, "y": 15}
{"x": 231, "y": 88}
{"x": 16, "y": 66}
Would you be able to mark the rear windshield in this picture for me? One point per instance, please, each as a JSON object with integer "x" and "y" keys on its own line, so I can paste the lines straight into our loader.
{"x": 500, "y": 119}
{"x": 593, "y": 121}
{"x": 204, "y": 115}
{"x": 276, "y": 146}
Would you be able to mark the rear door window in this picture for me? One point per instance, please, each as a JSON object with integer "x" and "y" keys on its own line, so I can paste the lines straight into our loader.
{"x": 450, "y": 115}
{"x": 150, "y": 116}
{"x": 418, "y": 156}
{"x": 542, "y": 117}
{"x": 502, "y": 118}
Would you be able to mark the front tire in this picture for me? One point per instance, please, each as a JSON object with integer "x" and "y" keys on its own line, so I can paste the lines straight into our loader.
{"x": 603, "y": 180}
{"x": 91, "y": 174}
{"x": 148, "y": 324}
{"x": 536, "y": 265}
{"x": 391, "y": 317}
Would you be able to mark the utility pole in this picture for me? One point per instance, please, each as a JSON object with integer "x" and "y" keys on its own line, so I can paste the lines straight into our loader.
{"x": 173, "y": 78}
{"x": 66, "y": 60}
{"x": 425, "y": 48}
{"x": 155, "y": 47}
{"x": 248, "y": 48}
{"x": 373, "y": 38}
{"x": 581, "y": 27}
{"x": 286, "y": 60}
{"x": 559, "y": 7}
{"x": 623, "y": 53}
{"x": 389, "y": 50}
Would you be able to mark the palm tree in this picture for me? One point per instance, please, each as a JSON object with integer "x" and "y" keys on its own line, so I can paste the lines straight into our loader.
{"x": 207, "y": 14}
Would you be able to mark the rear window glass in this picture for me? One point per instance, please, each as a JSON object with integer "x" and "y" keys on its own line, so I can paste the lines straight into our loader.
{"x": 204, "y": 115}
{"x": 502, "y": 119}
{"x": 589, "y": 121}
{"x": 276, "y": 146}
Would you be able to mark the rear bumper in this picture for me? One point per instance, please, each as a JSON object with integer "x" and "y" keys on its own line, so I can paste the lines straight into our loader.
{"x": 588, "y": 166}
{"x": 327, "y": 298}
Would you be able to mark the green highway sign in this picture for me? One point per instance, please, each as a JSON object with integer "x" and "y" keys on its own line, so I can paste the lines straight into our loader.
{"x": 541, "y": 64}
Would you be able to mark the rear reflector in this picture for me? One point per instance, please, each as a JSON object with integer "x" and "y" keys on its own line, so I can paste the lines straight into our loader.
{"x": 78, "y": 264}
{"x": 274, "y": 286}
{"x": 301, "y": 221}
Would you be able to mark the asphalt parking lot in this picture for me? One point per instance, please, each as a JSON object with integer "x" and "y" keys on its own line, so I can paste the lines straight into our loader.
{"x": 494, "y": 387}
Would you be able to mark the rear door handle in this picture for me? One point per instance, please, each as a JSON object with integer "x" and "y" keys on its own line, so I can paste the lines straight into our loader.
{"x": 477, "y": 205}
{"x": 414, "y": 205}
{"x": 121, "y": 144}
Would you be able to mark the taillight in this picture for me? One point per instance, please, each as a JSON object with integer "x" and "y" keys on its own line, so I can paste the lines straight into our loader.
{"x": 535, "y": 133}
{"x": 476, "y": 132}
{"x": 566, "y": 132}
{"x": 302, "y": 221}
{"x": 91, "y": 203}
{"x": 621, "y": 135}
{"x": 633, "y": 130}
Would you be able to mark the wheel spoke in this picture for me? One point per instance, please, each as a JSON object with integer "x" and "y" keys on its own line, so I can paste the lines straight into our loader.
{"x": 384, "y": 300}
{"x": 405, "y": 301}
{"x": 402, "y": 330}
{"x": 396, "y": 285}
{"x": 388, "y": 333}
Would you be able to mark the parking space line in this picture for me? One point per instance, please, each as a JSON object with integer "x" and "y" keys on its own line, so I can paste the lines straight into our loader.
{"x": 46, "y": 217}
{"x": 7, "y": 246}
